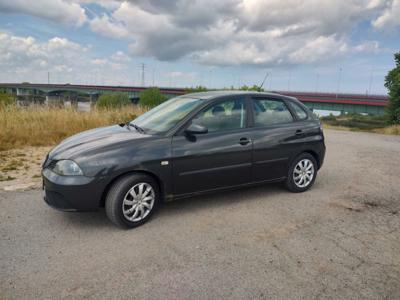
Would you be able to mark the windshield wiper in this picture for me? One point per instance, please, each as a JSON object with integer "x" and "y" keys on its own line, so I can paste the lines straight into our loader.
{"x": 137, "y": 127}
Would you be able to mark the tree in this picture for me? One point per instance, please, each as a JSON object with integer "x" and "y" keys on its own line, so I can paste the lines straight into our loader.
{"x": 196, "y": 89}
{"x": 115, "y": 100}
{"x": 251, "y": 88}
{"x": 392, "y": 83}
{"x": 151, "y": 97}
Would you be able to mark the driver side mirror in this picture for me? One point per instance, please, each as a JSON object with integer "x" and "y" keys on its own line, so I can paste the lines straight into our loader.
{"x": 196, "y": 129}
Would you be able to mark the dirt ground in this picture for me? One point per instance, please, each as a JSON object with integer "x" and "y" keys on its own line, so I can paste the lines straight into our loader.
{"x": 20, "y": 168}
{"x": 340, "y": 240}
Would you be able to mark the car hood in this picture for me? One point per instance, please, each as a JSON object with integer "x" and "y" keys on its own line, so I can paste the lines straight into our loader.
{"x": 92, "y": 140}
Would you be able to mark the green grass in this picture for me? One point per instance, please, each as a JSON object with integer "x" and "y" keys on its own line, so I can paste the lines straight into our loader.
{"x": 356, "y": 121}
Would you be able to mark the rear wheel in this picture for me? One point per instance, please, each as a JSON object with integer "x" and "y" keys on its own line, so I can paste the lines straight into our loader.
{"x": 132, "y": 200}
{"x": 302, "y": 173}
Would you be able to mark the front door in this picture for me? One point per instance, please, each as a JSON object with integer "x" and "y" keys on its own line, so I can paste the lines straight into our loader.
{"x": 219, "y": 158}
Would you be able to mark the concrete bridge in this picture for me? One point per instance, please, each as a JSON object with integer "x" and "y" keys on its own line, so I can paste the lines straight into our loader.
{"x": 355, "y": 103}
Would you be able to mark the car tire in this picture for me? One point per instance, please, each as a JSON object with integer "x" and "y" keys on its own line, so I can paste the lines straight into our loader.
{"x": 301, "y": 168}
{"x": 132, "y": 200}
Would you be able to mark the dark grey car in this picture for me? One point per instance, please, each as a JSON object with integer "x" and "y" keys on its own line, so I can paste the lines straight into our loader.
{"x": 190, "y": 144}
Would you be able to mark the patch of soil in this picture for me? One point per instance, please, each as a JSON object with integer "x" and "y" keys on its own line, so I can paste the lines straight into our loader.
{"x": 20, "y": 168}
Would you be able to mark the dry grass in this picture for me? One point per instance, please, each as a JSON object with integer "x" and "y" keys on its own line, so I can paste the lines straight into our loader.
{"x": 390, "y": 130}
{"x": 43, "y": 126}
{"x": 395, "y": 130}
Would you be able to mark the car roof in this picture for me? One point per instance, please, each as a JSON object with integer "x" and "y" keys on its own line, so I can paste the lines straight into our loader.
{"x": 215, "y": 94}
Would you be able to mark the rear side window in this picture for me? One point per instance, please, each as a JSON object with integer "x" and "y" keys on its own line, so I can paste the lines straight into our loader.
{"x": 222, "y": 116}
{"x": 300, "y": 112}
{"x": 270, "y": 112}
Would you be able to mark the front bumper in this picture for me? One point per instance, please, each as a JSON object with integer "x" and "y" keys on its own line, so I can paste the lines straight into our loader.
{"x": 71, "y": 193}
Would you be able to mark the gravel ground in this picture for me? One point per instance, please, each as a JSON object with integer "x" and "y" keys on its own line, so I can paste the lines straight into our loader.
{"x": 340, "y": 240}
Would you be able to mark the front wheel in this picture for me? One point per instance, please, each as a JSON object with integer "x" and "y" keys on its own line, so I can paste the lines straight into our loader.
{"x": 132, "y": 200}
{"x": 302, "y": 173}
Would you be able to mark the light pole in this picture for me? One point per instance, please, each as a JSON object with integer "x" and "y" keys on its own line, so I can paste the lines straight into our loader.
{"x": 370, "y": 81}
{"x": 339, "y": 79}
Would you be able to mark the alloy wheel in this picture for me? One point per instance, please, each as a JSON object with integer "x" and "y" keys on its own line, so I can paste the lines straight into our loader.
{"x": 303, "y": 173}
{"x": 138, "y": 202}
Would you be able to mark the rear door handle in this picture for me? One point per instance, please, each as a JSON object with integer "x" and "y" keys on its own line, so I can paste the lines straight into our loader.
{"x": 244, "y": 141}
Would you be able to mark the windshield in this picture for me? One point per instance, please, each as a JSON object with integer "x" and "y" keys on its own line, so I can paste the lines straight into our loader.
{"x": 166, "y": 115}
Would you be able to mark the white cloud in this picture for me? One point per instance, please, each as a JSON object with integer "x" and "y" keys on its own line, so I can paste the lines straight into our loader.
{"x": 390, "y": 18}
{"x": 61, "y": 11}
{"x": 233, "y": 32}
{"x": 108, "y": 27}
{"x": 180, "y": 74}
{"x": 120, "y": 56}
{"x": 99, "y": 61}
{"x": 27, "y": 59}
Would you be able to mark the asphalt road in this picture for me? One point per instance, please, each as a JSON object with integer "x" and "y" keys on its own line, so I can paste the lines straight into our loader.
{"x": 340, "y": 240}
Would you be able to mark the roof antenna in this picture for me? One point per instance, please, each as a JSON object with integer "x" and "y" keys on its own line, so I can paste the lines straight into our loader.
{"x": 265, "y": 78}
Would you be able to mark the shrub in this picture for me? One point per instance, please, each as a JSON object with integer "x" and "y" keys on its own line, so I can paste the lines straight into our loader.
{"x": 196, "y": 89}
{"x": 255, "y": 88}
{"x": 330, "y": 117}
{"x": 6, "y": 99}
{"x": 115, "y": 100}
{"x": 151, "y": 97}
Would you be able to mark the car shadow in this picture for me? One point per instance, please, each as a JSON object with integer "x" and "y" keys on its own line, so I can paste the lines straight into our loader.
{"x": 220, "y": 198}
{"x": 189, "y": 205}
{"x": 96, "y": 219}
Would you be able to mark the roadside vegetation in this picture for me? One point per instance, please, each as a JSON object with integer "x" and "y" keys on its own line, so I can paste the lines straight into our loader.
{"x": 392, "y": 83}
{"x": 151, "y": 97}
{"x": 6, "y": 99}
{"x": 112, "y": 101}
{"x": 45, "y": 126}
{"x": 358, "y": 122}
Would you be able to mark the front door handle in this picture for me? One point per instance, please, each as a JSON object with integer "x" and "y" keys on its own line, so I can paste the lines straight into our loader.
{"x": 299, "y": 132}
{"x": 244, "y": 141}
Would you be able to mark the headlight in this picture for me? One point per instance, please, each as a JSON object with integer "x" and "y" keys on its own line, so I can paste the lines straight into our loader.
{"x": 67, "y": 168}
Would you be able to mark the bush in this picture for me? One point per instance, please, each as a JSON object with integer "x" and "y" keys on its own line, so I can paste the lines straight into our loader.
{"x": 151, "y": 97}
{"x": 392, "y": 83}
{"x": 115, "y": 100}
{"x": 255, "y": 88}
{"x": 6, "y": 99}
{"x": 330, "y": 117}
{"x": 196, "y": 89}
{"x": 356, "y": 121}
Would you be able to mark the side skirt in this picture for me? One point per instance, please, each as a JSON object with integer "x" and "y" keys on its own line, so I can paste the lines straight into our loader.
{"x": 169, "y": 198}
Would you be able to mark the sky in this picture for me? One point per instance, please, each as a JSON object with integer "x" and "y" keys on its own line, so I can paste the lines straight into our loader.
{"x": 303, "y": 45}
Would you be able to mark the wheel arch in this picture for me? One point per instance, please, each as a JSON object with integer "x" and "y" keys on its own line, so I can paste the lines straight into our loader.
{"x": 145, "y": 172}
{"x": 311, "y": 152}
{"x": 315, "y": 155}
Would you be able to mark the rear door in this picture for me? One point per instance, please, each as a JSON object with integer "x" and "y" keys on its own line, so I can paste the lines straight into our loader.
{"x": 219, "y": 158}
{"x": 276, "y": 136}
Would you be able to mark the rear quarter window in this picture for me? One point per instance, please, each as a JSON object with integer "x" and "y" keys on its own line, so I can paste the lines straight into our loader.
{"x": 299, "y": 111}
{"x": 270, "y": 112}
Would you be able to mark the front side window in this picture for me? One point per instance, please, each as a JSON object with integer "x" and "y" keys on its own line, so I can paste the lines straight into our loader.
{"x": 270, "y": 112}
{"x": 165, "y": 116}
{"x": 300, "y": 112}
{"x": 226, "y": 115}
